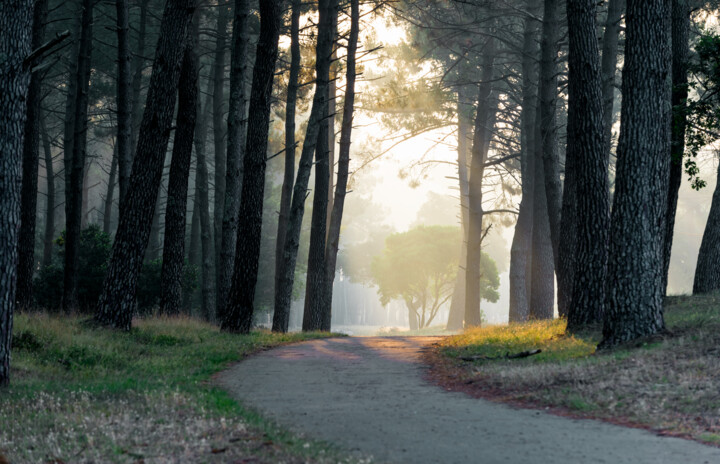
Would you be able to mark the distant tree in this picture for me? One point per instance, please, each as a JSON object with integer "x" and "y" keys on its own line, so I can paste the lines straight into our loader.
{"x": 420, "y": 266}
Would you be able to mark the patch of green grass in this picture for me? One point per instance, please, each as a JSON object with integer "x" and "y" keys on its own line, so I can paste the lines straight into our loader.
{"x": 68, "y": 377}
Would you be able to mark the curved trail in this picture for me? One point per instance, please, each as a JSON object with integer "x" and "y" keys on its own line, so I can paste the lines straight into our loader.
{"x": 367, "y": 395}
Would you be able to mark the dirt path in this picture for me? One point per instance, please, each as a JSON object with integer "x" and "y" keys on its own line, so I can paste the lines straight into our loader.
{"x": 368, "y": 395}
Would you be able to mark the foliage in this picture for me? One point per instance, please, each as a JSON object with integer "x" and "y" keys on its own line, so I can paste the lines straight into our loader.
{"x": 420, "y": 267}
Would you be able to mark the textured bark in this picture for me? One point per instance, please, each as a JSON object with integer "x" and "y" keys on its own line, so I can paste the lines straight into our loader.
{"x": 110, "y": 193}
{"x": 49, "y": 235}
{"x": 237, "y": 131}
{"x": 338, "y": 202}
{"x": 680, "y": 62}
{"x": 116, "y": 304}
{"x": 15, "y": 45}
{"x": 548, "y": 90}
{"x": 239, "y": 310}
{"x": 707, "y": 270}
{"x": 218, "y": 113}
{"x": 75, "y": 161}
{"x": 609, "y": 67}
{"x": 568, "y": 223}
{"x": 31, "y": 159}
{"x": 153, "y": 249}
{"x": 326, "y": 33}
{"x": 635, "y": 265}
{"x": 137, "y": 80}
{"x": 281, "y": 319}
{"x": 124, "y": 95}
{"x": 521, "y": 248}
{"x": 484, "y": 122}
{"x": 589, "y": 163}
{"x": 175, "y": 221}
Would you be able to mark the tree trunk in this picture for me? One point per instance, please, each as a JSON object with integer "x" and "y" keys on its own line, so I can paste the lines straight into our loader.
{"x": 680, "y": 62}
{"x": 218, "y": 113}
{"x": 110, "y": 195}
{"x": 137, "y": 80}
{"x": 635, "y": 265}
{"x": 237, "y": 132}
{"x": 338, "y": 203}
{"x": 49, "y": 235}
{"x": 194, "y": 258}
{"x": 281, "y": 319}
{"x": 124, "y": 95}
{"x": 75, "y": 163}
{"x": 412, "y": 308}
{"x": 16, "y": 33}
{"x": 239, "y": 312}
{"x": 175, "y": 222}
{"x": 152, "y": 252}
{"x": 609, "y": 67}
{"x": 31, "y": 159}
{"x": 707, "y": 270}
{"x": 484, "y": 122}
{"x": 587, "y": 158}
{"x": 521, "y": 248}
{"x": 326, "y": 34}
{"x": 117, "y": 300}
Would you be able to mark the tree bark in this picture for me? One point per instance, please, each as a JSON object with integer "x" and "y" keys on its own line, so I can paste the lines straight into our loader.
{"x": 75, "y": 162}
{"x": 237, "y": 132}
{"x": 137, "y": 80}
{"x": 484, "y": 122}
{"x": 110, "y": 194}
{"x": 338, "y": 203}
{"x": 175, "y": 221}
{"x": 31, "y": 160}
{"x": 609, "y": 67}
{"x": 707, "y": 270}
{"x": 589, "y": 164}
{"x": 239, "y": 310}
{"x": 635, "y": 265}
{"x": 116, "y": 304}
{"x": 49, "y": 235}
{"x": 16, "y": 17}
{"x": 326, "y": 34}
{"x": 124, "y": 95}
{"x": 281, "y": 319}
{"x": 680, "y": 62}
{"x": 521, "y": 248}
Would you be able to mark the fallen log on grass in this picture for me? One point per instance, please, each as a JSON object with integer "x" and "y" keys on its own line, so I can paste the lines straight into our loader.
{"x": 522, "y": 354}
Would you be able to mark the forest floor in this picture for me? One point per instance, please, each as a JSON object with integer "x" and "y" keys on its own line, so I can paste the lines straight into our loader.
{"x": 371, "y": 396}
{"x": 668, "y": 384}
{"x": 81, "y": 394}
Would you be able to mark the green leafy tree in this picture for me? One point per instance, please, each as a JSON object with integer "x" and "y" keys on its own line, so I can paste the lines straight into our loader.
{"x": 420, "y": 266}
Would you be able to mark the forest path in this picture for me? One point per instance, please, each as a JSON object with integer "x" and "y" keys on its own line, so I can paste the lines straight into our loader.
{"x": 368, "y": 395}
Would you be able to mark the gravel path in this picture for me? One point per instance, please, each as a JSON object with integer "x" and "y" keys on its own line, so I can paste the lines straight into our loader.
{"x": 368, "y": 395}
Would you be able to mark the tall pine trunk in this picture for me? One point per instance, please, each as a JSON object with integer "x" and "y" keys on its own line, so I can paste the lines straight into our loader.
{"x": 239, "y": 312}
{"x": 49, "y": 234}
{"x": 635, "y": 265}
{"x": 110, "y": 193}
{"x": 16, "y": 33}
{"x": 236, "y": 138}
{"x": 138, "y": 66}
{"x": 117, "y": 300}
{"x": 75, "y": 161}
{"x": 611, "y": 37}
{"x": 124, "y": 95}
{"x": 175, "y": 221}
{"x": 590, "y": 166}
{"x": 707, "y": 270}
{"x": 281, "y": 319}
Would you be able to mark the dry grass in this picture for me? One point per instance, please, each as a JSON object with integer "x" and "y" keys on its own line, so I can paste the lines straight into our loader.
{"x": 670, "y": 384}
{"x": 81, "y": 395}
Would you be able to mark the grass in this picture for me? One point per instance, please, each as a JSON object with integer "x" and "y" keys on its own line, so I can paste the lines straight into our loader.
{"x": 670, "y": 384}
{"x": 82, "y": 394}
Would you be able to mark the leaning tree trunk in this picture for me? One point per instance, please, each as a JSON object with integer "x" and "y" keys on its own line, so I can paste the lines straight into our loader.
{"x": 218, "y": 112}
{"x": 521, "y": 248}
{"x": 281, "y": 320}
{"x": 585, "y": 132}
{"x": 49, "y": 234}
{"x": 124, "y": 96}
{"x": 236, "y": 138}
{"x": 484, "y": 121}
{"x": 707, "y": 270}
{"x": 138, "y": 66}
{"x": 117, "y": 299}
{"x": 326, "y": 33}
{"x": 16, "y": 18}
{"x": 75, "y": 162}
{"x": 175, "y": 222}
{"x": 31, "y": 159}
{"x": 239, "y": 310}
{"x": 343, "y": 168}
{"x": 635, "y": 265}
{"x": 680, "y": 62}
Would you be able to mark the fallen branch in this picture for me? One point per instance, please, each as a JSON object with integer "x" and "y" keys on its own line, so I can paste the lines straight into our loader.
{"x": 522, "y": 354}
